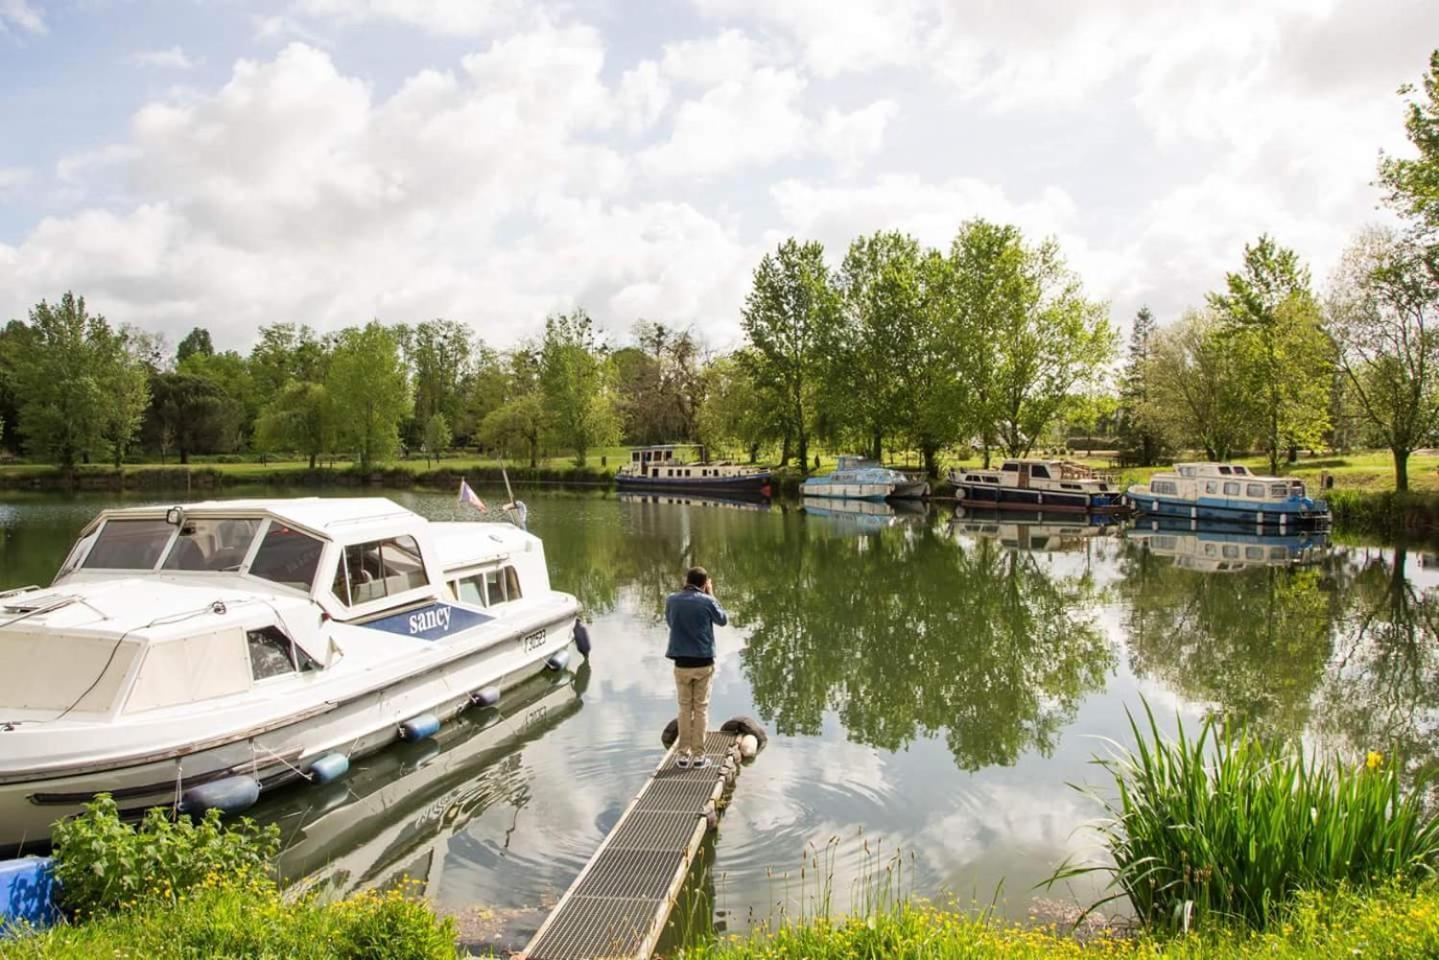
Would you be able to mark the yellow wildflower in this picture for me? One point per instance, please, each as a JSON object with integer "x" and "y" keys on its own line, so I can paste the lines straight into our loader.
{"x": 1374, "y": 760}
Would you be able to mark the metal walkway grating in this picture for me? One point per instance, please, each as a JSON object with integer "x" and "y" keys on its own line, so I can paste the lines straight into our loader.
{"x": 618, "y": 905}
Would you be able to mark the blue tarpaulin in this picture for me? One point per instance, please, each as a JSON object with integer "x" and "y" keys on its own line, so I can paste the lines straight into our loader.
{"x": 27, "y": 886}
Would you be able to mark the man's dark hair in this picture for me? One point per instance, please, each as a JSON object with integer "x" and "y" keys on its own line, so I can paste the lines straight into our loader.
{"x": 696, "y": 577}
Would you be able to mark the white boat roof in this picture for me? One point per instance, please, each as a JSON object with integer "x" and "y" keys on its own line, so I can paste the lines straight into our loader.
{"x": 468, "y": 544}
{"x": 1211, "y": 468}
{"x": 342, "y": 519}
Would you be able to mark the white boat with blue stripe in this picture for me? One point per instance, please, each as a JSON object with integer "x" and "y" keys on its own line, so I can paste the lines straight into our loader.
{"x": 1227, "y": 492}
{"x": 200, "y": 655}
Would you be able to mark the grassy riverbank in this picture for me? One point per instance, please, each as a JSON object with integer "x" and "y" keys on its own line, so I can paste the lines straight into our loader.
{"x": 1393, "y": 923}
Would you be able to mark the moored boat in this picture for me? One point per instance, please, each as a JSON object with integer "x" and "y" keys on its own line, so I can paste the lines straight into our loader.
{"x": 1226, "y": 549}
{"x": 1032, "y": 484}
{"x": 1227, "y": 492}
{"x": 856, "y": 478}
{"x": 684, "y": 467}
{"x": 203, "y": 654}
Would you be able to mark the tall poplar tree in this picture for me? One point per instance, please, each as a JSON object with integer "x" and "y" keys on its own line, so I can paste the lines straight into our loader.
{"x": 369, "y": 391}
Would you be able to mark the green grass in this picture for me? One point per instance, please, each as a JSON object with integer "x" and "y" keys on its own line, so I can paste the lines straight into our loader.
{"x": 1391, "y": 923}
{"x": 1226, "y": 827}
{"x": 249, "y": 920}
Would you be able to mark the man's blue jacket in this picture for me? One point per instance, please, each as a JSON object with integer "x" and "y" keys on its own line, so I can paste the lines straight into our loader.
{"x": 692, "y": 615}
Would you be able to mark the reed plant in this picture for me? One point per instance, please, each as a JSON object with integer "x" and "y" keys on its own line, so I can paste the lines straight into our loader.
{"x": 1228, "y": 826}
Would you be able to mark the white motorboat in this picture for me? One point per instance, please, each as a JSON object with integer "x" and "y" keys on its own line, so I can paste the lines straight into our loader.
{"x": 199, "y": 655}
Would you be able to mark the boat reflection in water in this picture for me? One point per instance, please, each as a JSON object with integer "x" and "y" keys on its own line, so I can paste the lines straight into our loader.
{"x": 862, "y": 516}
{"x": 393, "y": 815}
{"x": 1033, "y": 529}
{"x": 692, "y": 500}
{"x": 1220, "y": 548}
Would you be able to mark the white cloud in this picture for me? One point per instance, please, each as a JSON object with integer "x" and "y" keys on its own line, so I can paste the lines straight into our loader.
{"x": 174, "y": 58}
{"x": 837, "y": 37}
{"x": 21, "y": 15}
{"x": 12, "y": 179}
{"x": 852, "y": 138}
{"x": 643, "y": 96}
{"x": 74, "y": 167}
{"x": 709, "y": 61}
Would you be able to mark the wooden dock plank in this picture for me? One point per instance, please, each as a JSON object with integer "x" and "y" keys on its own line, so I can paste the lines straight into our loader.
{"x": 617, "y": 907}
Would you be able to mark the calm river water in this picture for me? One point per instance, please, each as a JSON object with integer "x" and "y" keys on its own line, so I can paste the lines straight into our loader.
{"x": 931, "y": 684}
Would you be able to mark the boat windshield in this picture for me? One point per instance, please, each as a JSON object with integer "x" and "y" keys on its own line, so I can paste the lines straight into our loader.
{"x": 128, "y": 545}
{"x": 212, "y": 543}
{"x": 287, "y": 557}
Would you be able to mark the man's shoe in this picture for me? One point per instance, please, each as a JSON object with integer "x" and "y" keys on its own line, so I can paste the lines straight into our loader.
{"x": 702, "y": 762}
{"x": 683, "y": 763}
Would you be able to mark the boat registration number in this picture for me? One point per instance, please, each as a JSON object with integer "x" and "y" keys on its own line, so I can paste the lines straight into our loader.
{"x": 535, "y": 716}
{"x": 532, "y": 641}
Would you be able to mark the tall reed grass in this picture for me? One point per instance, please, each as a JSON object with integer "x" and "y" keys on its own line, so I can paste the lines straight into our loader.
{"x": 1225, "y": 825}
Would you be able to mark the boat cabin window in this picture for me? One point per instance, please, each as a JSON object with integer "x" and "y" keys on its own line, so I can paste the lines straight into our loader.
{"x": 287, "y": 557}
{"x": 1240, "y": 471}
{"x": 1254, "y": 490}
{"x": 1211, "y": 486}
{"x": 1163, "y": 486}
{"x": 129, "y": 545}
{"x": 1037, "y": 471}
{"x": 272, "y": 654}
{"x": 1231, "y": 489}
{"x": 1278, "y": 491}
{"x": 489, "y": 588}
{"x": 1010, "y": 468}
{"x": 1224, "y": 471}
{"x": 1253, "y": 553}
{"x": 1230, "y": 551}
{"x": 212, "y": 543}
{"x": 1186, "y": 471}
{"x": 378, "y": 569}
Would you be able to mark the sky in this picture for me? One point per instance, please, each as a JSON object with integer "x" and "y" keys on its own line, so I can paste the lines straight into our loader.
{"x": 232, "y": 164}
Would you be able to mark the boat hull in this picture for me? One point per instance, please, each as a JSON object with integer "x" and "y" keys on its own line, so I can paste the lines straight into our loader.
{"x": 279, "y": 752}
{"x": 872, "y": 492}
{"x": 751, "y": 485}
{"x": 994, "y": 496}
{"x": 912, "y": 490}
{"x": 1219, "y": 511}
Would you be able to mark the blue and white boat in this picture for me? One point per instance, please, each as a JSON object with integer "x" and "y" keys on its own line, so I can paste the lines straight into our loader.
{"x": 1226, "y": 548}
{"x": 1227, "y": 492}
{"x": 856, "y": 478}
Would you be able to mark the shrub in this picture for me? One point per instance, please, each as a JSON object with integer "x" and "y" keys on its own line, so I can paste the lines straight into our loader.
{"x": 223, "y": 918}
{"x": 1228, "y": 825}
{"x": 103, "y": 864}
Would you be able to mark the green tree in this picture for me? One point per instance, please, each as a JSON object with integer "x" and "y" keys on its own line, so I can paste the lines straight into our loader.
{"x": 791, "y": 319}
{"x": 881, "y": 340}
{"x": 196, "y": 343}
{"x": 659, "y": 385}
{"x": 1411, "y": 184}
{"x": 1268, "y": 309}
{"x": 1200, "y": 393}
{"x": 737, "y": 412}
{"x": 125, "y": 381}
{"x": 62, "y": 369}
{"x": 187, "y": 413}
{"x": 285, "y": 352}
{"x": 575, "y": 383}
{"x": 1381, "y": 314}
{"x": 369, "y": 391}
{"x": 1029, "y": 338}
{"x": 300, "y": 418}
{"x": 440, "y": 354}
{"x": 1139, "y": 439}
{"x": 437, "y": 437}
{"x": 231, "y": 373}
{"x": 520, "y": 421}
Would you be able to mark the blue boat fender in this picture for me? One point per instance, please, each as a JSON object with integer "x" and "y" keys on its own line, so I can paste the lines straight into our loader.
{"x": 329, "y": 768}
{"x": 230, "y": 795}
{"x": 582, "y": 639}
{"x": 485, "y": 697}
{"x": 558, "y": 660}
{"x": 418, "y": 728}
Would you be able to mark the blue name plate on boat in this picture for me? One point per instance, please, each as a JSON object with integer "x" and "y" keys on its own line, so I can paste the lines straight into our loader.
{"x": 433, "y": 622}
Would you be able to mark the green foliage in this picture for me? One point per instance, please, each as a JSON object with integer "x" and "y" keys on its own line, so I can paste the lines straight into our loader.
{"x": 737, "y": 412}
{"x": 1395, "y": 922}
{"x": 196, "y": 343}
{"x": 519, "y": 423}
{"x": 251, "y": 918}
{"x": 74, "y": 381}
{"x": 437, "y": 436}
{"x": 1270, "y": 314}
{"x": 125, "y": 380}
{"x": 575, "y": 381}
{"x": 1412, "y": 183}
{"x": 103, "y": 864}
{"x": 300, "y": 418}
{"x": 1199, "y": 393}
{"x": 440, "y": 354}
{"x": 1141, "y": 438}
{"x": 187, "y": 413}
{"x": 369, "y": 392}
{"x": 790, "y": 319}
{"x": 1229, "y": 827}
{"x": 659, "y": 384}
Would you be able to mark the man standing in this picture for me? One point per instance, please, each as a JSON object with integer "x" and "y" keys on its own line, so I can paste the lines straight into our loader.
{"x": 692, "y": 614}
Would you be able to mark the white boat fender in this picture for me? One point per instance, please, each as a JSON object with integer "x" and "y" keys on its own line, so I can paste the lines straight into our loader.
{"x": 747, "y": 726}
{"x": 230, "y": 795}
{"x": 329, "y": 768}
{"x": 582, "y": 639}
{"x": 418, "y": 728}
{"x": 558, "y": 660}
{"x": 485, "y": 697}
{"x": 748, "y": 746}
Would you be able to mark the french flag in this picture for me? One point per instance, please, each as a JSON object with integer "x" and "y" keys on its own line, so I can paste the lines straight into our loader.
{"x": 473, "y": 499}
